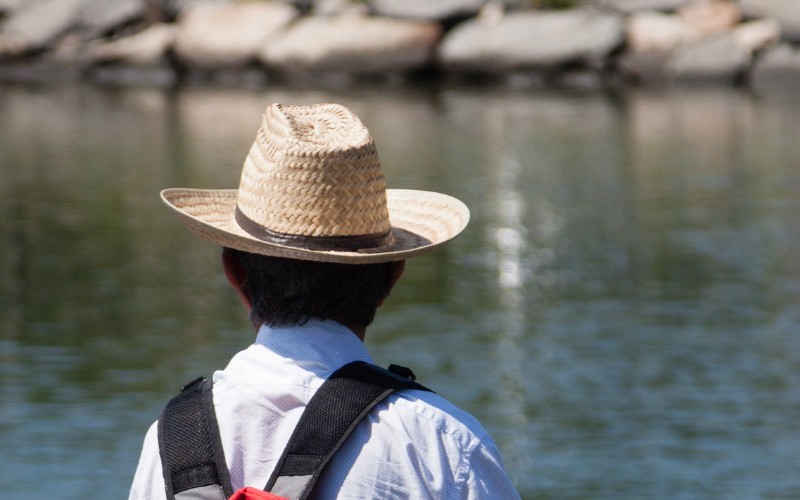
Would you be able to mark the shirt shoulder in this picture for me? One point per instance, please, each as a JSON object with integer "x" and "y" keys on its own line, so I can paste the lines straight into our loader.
{"x": 417, "y": 444}
{"x": 435, "y": 415}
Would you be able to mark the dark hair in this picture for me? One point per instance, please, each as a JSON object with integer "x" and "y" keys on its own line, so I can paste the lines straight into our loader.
{"x": 288, "y": 291}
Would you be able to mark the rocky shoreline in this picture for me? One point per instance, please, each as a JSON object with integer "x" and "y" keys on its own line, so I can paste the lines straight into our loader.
{"x": 255, "y": 43}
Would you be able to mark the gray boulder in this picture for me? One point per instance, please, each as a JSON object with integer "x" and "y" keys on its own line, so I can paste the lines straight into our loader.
{"x": 337, "y": 8}
{"x": 146, "y": 48}
{"x": 136, "y": 60}
{"x": 38, "y": 25}
{"x": 438, "y": 10}
{"x": 757, "y": 35}
{"x": 97, "y": 17}
{"x": 722, "y": 58}
{"x": 216, "y": 36}
{"x": 777, "y": 68}
{"x": 652, "y": 31}
{"x": 353, "y": 44}
{"x": 786, "y": 12}
{"x": 707, "y": 17}
{"x": 532, "y": 40}
{"x": 7, "y": 6}
{"x": 630, "y": 6}
{"x": 645, "y": 67}
{"x": 714, "y": 58}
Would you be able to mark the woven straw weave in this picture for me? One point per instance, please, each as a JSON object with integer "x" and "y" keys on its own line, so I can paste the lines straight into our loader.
{"x": 314, "y": 171}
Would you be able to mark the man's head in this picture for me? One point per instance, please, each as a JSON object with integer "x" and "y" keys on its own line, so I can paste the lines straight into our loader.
{"x": 315, "y": 231}
{"x": 282, "y": 291}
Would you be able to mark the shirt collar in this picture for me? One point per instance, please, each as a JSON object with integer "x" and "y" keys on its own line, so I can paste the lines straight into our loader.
{"x": 320, "y": 342}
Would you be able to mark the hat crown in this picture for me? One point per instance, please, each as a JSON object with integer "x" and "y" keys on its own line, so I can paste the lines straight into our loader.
{"x": 313, "y": 172}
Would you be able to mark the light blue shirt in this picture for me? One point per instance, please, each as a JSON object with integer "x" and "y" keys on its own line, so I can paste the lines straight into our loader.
{"x": 415, "y": 444}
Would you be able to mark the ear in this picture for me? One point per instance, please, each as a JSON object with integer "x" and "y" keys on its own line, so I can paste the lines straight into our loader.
{"x": 395, "y": 272}
{"x": 237, "y": 276}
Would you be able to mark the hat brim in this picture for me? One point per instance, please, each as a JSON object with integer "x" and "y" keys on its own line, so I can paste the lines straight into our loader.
{"x": 421, "y": 221}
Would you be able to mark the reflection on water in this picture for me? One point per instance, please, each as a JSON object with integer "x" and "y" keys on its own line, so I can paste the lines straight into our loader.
{"x": 621, "y": 313}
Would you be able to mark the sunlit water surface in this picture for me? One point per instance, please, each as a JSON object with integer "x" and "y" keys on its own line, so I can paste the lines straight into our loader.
{"x": 622, "y": 313}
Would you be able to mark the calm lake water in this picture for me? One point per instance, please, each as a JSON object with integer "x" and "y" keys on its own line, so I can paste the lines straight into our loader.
{"x": 622, "y": 314}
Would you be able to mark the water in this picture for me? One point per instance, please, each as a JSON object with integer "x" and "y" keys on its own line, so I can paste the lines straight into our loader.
{"x": 621, "y": 314}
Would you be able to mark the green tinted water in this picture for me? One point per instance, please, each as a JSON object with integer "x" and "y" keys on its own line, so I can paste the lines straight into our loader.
{"x": 621, "y": 314}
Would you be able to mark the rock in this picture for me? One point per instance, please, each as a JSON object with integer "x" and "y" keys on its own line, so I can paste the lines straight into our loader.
{"x": 213, "y": 36}
{"x": 631, "y": 6}
{"x": 786, "y": 12}
{"x": 338, "y": 7}
{"x": 165, "y": 11}
{"x": 710, "y": 16}
{"x": 663, "y": 50}
{"x": 645, "y": 67}
{"x": 718, "y": 58}
{"x": 532, "y": 40}
{"x": 353, "y": 44}
{"x": 710, "y": 59}
{"x": 757, "y": 35}
{"x": 98, "y": 17}
{"x": 146, "y": 48}
{"x": 69, "y": 50}
{"x": 10, "y": 46}
{"x": 778, "y": 67}
{"x": 651, "y": 31}
{"x": 38, "y": 25}
{"x": 440, "y": 10}
{"x": 41, "y": 24}
{"x": 7, "y": 6}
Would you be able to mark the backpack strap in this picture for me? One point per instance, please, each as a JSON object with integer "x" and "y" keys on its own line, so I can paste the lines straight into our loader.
{"x": 192, "y": 459}
{"x": 331, "y": 415}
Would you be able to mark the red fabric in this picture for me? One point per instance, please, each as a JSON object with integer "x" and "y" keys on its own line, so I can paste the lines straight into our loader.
{"x": 250, "y": 493}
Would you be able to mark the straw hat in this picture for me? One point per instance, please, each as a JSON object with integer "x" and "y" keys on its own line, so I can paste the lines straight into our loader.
{"x": 312, "y": 189}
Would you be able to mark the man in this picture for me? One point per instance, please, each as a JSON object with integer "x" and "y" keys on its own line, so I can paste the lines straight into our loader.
{"x": 312, "y": 244}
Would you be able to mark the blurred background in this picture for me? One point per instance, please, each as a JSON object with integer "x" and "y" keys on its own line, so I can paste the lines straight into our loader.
{"x": 621, "y": 313}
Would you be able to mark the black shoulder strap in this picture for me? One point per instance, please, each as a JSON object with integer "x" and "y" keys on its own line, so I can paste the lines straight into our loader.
{"x": 192, "y": 458}
{"x": 331, "y": 415}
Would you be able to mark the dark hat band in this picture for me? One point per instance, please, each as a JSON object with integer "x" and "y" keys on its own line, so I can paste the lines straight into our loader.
{"x": 351, "y": 243}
